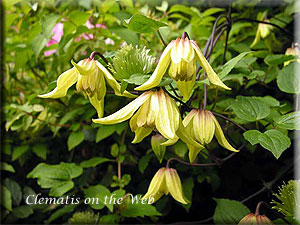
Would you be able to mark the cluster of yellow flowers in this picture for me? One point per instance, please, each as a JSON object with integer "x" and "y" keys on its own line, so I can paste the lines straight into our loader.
{"x": 154, "y": 109}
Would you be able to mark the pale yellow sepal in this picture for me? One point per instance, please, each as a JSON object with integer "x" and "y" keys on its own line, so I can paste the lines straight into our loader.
{"x": 159, "y": 71}
{"x": 165, "y": 181}
{"x": 64, "y": 82}
{"x": 97, "y": 104}
{"x": 126, "y": 112}
{"x": 211, "y": 74}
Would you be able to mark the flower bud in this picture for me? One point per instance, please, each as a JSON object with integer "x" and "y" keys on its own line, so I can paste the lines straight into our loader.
{"x": 292, "y": 51}
{"x": 251, "y": 218}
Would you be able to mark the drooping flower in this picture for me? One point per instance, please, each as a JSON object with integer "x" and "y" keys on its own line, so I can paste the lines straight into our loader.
{"x": 251, "y": 218}
{"x": 156, "y": 110}
{"x": 181, "y": 54}
{"x": 165, "y": 181}
{"x": 90, "y": 76}
{"x": 263, "y": 30}
{"x": 292, "y": 51}
{"x": 201, "y": 126}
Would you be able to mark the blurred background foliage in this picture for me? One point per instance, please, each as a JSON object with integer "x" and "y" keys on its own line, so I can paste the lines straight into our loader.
{"x": 51, "y": 146}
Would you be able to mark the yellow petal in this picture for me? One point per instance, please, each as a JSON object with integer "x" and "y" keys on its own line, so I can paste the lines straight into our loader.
{"x": 153, "y": 109}
{"x": 157, "y": 185}
{"x": 113, "y": 83}
{"x": 193, "y": 152}
{"x": 126, "y": 112}
{"x": 189, "y": 117}
{"x": 174, "y": 185}
{"x": 177, "y": 51}
{"x": 188, "y": 54}
{"x": 98, "y": 104}
{"x": 186, "y": 137}
{"x": 85, "y": 67}
{"x": 140, "y": 118}
{"x": 159, "y": 71}
{"x": 169, "y": 142}
{"x": 221, "y": 138}
{"x": 64, "y": 82}
{"x": 256, "y": 39}
{"x": 140, "y": 134}
{"x": 212, "y": 76}
{"x": 186, "y": 87}
{"x": 162, "y": 121}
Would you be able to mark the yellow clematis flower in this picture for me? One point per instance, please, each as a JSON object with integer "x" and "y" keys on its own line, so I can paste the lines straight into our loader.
{"x": 292, "y": 51}
{"x": 251, "y": 218}
{"x": 201, "y": 126}
{"x": 165, "y": 181}
{"x": 263, "y": 30}
{"x": 156, "y": 110}
{"x": 181, "y": 54}
{"x": 90, "y": 76}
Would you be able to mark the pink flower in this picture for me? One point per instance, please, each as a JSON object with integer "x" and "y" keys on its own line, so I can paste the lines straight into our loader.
{"x": 57, "y": 32}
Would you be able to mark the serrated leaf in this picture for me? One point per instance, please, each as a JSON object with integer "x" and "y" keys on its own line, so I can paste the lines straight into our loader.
{"x": 142, "y": 24}
{"x": 75, "y": 139}
{"x": 250, "y": 109}
{"x": 231, "y": 64}
{"x": 288, "y": 81}
{"x": 274, "y": 141}
{"x": 252, "y": 136}
{"x": 290, "y": 121}
{"x": 229, "y": 211}
{"x": 93, "y": 162}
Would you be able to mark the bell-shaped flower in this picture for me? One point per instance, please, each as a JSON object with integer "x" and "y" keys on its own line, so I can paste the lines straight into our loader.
{"x": 90, "y": 76}
{"x": 263, "y": 30}
{"x": 165, "y": 181}
{"x": 181, "y": 55}
{"x": 292, "y": 51}
{"x": 202, "y": 126}
{"x": 155, "y": 110}
{"x": 251, "y": 218}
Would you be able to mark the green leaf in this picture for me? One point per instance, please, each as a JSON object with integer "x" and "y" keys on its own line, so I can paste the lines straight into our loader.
{"x": 137, "y": 208}
{"x": 231, "y": 64}
{"x": 250, "y": 108}
{"x": 137, "y": 79}
{"x": 188, "y": 185}
{"x": 142, "y": 24}
{"x": 48, "y": 22}
{"x": 75, "y": 139}
{"x": 288, "y": 81}
{"x": 114, "y": 150}
{"x": 56, "y": 177}
{"x": 127, "y": 35}
{"x": 18, "y": 151}
{"x": 275, "y": 141}
{"x": 182, "y": 9}
{"x": 79, "y": 17}
{"x": 252, "y": 136}
{"x": 273, "y": 60}
{"x": 7, "y": 167}
{"x": 40, "y": 150}
{"x": 38, "y": 43}
{"x": 269, "y": 100}
{"x": 104, "y": 131}
{"x": 6, "y": 198}
{"x": 96, "y": 195}
{"x": 61, "y": 212}
{"x": 143, "y": 162}
{"x": 22, "y": 211}
{"x": 290, "y": 121}
{"x": 15, "y": 190}
{"x": 93, "y": 162}
{"x": 229, "y": 211}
